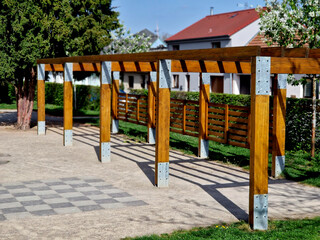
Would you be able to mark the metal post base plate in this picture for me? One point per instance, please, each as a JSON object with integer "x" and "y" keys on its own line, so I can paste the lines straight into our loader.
{"x": 204, "y": 149}
{"x": 41, "y": 127}
{"x": 105, "y": 152}
{"x": 115, "y": 126}
{"x": 163, "y": 174}
{"x": 152, "y": 135}
{"x": 280, "y": 163}
{"x": 67, "y": 138}
{"x": 260, "y": 212}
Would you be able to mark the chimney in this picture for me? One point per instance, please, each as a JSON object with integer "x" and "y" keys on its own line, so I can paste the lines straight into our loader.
{"x": 211, "y": 11}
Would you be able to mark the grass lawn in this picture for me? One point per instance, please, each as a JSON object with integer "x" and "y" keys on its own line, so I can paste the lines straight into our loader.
{"x": 8, "y": 106}
{"x": 286, "y": 229}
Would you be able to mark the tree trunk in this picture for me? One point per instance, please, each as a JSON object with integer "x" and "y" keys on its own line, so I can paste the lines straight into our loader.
{"x": 25, "y": 90}
{"x": 314, "y": 111}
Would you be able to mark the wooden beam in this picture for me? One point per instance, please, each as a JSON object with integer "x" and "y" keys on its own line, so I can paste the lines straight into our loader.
{"x": 279, "y": 124}
{"x": 204, "y": 98}
{"x": 105, "y": 111}
{"x": 176, "y": 66}
{"x": 259, "y": 146}
{"x": 163, "y": 124}
{"x": 295, "y": 65}
{"x": 67, "y": 104}
{"x": 41, "y": 99}
{"x": 115, "y": 97}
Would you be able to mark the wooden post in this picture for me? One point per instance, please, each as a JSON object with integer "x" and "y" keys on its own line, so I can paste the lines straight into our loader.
{"x": 163, "y": 123}
{"x": 67, "y": 104}
{"x": 115, "y": 94}
{"x": 259, "y": 146}
{"x": 184, "y": 117}
{"x": 151, "y": 107}
{"x": 279, "y": 125}
{"x": 41, "y": 100}
{"x": 226, "y": 123}
{"x": 105, "y": 111}
{"x": 138, "y": 110}
{"x": 204, "y": 98}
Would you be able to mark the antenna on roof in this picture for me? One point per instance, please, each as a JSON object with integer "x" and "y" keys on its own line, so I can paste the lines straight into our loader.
{"x": 244, "y": 5}
{"x": 157, "y": 30}
{"x": 211, "y": 11}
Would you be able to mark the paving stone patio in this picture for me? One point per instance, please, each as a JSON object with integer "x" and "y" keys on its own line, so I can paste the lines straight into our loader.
{"x": 60, "y": 196}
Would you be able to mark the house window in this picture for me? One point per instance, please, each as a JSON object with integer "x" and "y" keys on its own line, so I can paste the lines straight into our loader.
{"x": 175, "y": 81}
{"x": 245, "y": 85}
{"x": 175, "y": 47}
{"x": 143, "y": 81}
{"x": 131, "y": 81}
{"x": 188, "y": 83}
{"x": 216, "y": 45}
{"x": 217, "y": 84}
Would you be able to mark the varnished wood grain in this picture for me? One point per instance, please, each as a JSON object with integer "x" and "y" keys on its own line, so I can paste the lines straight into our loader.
{"x": 41, "y": 100}
{"x": 67, "y": 105}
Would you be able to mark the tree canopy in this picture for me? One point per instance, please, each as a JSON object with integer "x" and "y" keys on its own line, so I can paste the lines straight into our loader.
{"x": 31, "y": 29}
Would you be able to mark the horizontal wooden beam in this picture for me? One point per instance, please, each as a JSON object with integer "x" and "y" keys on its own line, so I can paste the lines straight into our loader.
{"x": 176, "y": 66}
{"x": 217, "y": 54}
{"x": 278, "y": 65}
{"x": 295, "y": 65}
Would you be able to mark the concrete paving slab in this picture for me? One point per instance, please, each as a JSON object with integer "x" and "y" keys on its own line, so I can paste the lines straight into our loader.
{"x": 200, "y": 192}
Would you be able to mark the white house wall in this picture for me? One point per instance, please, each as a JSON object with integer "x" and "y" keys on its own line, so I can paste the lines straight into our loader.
{"x": 245, "y": 35}
{"x": 137, "y": 81}
{"x": 198, "y": 45}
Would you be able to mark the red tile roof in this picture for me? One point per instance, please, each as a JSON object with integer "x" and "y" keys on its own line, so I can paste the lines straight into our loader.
{"x": 224, "y": 24}
{"x": 259, "y": 40}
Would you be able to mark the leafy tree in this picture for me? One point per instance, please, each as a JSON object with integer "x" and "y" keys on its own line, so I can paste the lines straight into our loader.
{"x": 123, "y": 41}
{"x": 294, "y": 23}
{"x": 32, "y": 29}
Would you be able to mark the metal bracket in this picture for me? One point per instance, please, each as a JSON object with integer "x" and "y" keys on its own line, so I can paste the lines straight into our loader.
{"x": 163, "y": 174}
{"x": 282, "y": 81}
{"x": 152, "y": 136}
{"x": 105, "y": 72}
{"x": 105, "y": 152}
{"x": 116, "y": 75}
{"x": 68, "y": 72}
{"x": 204, "y": 148}
{"x": 165, "y": 74}
{"x": 260, "y": 212}
{"x": 41, "y": 71}
{"x": 67, "y": 137}
{"x": 41, "y": 127}
{"x": 153, "y": 76}
{"x": 115, "y": 126}
{"x": 206, "y": 78}
{"x": 280, "y": 163}
{"x": 263, "y": 75}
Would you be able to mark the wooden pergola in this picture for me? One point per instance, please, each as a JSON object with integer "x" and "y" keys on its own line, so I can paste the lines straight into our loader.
{"x": 259, "y": 62}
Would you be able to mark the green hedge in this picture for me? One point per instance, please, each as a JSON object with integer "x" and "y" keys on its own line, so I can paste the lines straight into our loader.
{"x": 87, "y": 97}
{"x": 7, "y": 93}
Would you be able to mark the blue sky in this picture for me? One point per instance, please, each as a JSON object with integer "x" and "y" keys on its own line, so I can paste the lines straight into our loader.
{"x": 171, "y": 15}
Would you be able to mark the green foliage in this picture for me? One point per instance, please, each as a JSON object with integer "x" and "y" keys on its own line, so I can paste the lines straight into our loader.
{"x": 87, "y": 97}
{"x": 30, "y": 30}
{"x": 54, "y": 93}
{"x": 283, "y": 229}
{"x": 7, "y": 93}
{"x": 298, "y": 124}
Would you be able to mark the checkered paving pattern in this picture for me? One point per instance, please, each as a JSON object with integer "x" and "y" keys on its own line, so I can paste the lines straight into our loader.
{"x": 60, "y": 196}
